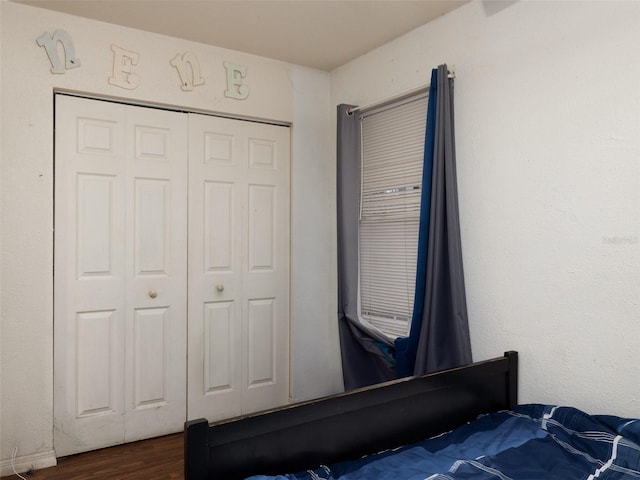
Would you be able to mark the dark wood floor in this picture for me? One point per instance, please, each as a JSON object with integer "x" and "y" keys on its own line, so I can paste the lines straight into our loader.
{"x": 159, "y": 458}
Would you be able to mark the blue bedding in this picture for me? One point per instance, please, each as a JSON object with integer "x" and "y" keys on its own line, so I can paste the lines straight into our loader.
{"x": 533, "y": 442}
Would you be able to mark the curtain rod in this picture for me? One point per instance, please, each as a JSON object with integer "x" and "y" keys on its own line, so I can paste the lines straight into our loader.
{"x": 379, "y": 103}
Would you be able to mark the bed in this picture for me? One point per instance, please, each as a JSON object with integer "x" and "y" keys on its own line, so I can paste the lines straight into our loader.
{"x": 462, "y": 423}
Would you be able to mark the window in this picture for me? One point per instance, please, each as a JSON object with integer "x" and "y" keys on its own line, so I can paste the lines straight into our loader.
{"x": 392, "y": 157}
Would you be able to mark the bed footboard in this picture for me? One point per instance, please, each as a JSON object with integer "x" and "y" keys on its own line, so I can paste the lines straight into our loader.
{"x": 349, "y": 425}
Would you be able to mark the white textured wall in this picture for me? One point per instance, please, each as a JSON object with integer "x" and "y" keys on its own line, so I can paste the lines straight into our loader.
{"x": 316, "y": 352}
{"x": 278, "y": 91}
{"x": 547, "y": 105}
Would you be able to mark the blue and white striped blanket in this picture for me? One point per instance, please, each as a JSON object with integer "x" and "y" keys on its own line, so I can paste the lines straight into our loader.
{"x": 533, "y": 442}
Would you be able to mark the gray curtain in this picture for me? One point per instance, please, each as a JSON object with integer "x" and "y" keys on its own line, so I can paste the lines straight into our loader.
{"x": 366, "y": 354}
{"x": 443, "y": 338}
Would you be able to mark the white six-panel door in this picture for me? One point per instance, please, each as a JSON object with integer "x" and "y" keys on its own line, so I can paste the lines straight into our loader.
{"x": 238, "y": 267}
{"x": 120, "y": 273}
{"x": 153, "y": 207}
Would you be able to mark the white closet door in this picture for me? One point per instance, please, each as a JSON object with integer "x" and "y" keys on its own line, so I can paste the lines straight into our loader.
{"x": 238, "y": 267}
{"x": 215, "y": 268}
{"x": 266, "y": 248}
{"x": 89, "y": 275}
{"x": 156, "y": 266}
{"x": 120, "y": 273}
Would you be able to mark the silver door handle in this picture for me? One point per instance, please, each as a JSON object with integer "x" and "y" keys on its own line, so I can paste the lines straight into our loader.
{"x": 153, "y": 293}
{"x": 220, "y": 287}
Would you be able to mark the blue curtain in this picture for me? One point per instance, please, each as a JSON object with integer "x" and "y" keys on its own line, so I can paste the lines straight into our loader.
{"x": 439, "y": 336}
{"x": 406, "y": 347}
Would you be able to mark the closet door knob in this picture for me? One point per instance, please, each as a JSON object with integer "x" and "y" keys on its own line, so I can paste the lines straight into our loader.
{"x": 153, "y": 293}
{"x": 220, "y": 287}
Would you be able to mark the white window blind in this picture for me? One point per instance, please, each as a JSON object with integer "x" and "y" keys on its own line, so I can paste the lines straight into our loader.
{"x": 392, "y": 157}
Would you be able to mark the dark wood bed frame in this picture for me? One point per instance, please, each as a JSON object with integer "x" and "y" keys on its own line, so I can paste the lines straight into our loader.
{"x": 346, "y": 426}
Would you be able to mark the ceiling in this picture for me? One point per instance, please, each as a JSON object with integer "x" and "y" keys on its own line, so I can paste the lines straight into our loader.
{"x": 322, "y": 34}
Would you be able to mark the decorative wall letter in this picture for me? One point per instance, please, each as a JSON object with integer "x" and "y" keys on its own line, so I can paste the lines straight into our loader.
{"x": 180, "y": 63}
{"x": 50, "y": 44}
{"x": 235, "y": 88}
{"x": 122, "y": 62}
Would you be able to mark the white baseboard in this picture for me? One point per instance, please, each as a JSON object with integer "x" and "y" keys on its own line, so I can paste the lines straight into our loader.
{"x": 24, "y": 463}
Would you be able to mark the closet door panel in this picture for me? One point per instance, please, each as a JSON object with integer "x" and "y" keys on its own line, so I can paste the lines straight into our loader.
{"x": 266, "y": 246}
{"x": 215, "y": 268}
{"x": 156, "y": 266}
{"x": 89, "y": 277}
